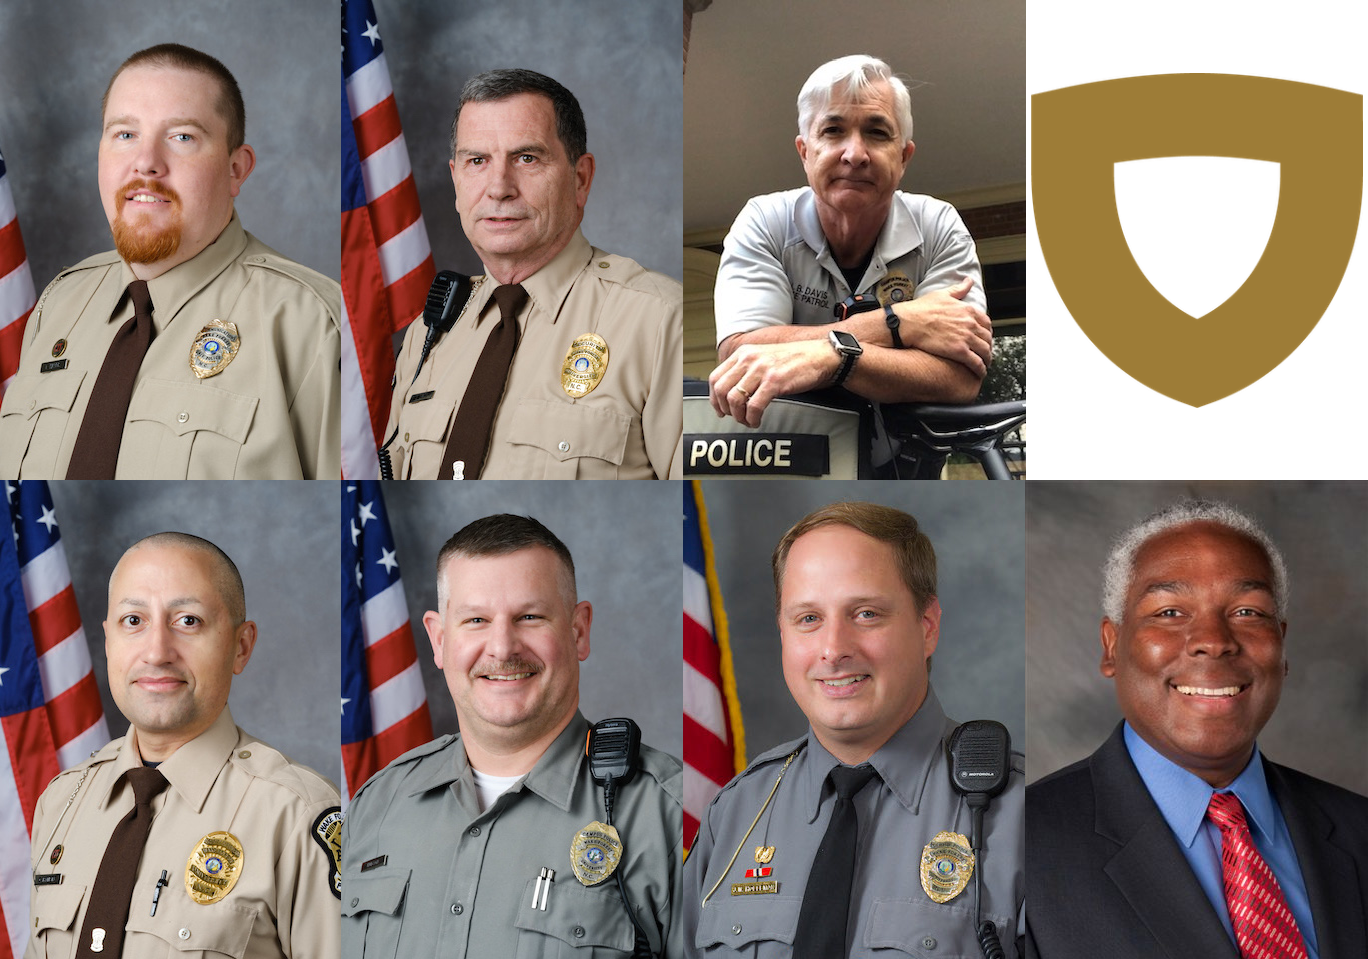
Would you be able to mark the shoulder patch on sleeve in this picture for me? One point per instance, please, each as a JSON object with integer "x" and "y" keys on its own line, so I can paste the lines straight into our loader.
{"x": 327, "y": 832}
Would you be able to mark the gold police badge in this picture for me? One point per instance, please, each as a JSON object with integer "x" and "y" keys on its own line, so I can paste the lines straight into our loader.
{"x": 894, "y": 288}
{"x": 947, "y": 862}
{"x": 214, "y": 348}
{"x": 213, "y": 868}
{"x": 595, "y": 852}
{"x": 327, "y": 832}
{"x": 584, "y": 365}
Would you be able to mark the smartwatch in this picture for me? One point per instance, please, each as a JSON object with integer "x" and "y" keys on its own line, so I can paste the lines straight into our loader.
{"x": 891, "y": 319}
{"x": 848, "y": 349}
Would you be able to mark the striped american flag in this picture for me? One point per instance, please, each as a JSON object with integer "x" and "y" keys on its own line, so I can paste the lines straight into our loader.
{"x": 714, "y": 741}
{"x": 386, "y": 259}
{"x": 50, "y": 712}
{"x": 384, "y": 705}
{"x": 16, "y": 284}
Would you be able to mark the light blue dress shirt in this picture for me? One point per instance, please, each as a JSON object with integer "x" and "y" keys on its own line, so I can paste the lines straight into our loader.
{"x": 1183, "y": 799}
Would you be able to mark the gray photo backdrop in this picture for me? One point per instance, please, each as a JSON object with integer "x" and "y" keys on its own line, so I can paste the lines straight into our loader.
{"x": 1322, "y": 529}
{"x": 625, "y": 539}
{"x": 284, "y": 539}
{"x": 977, "y": 530}
{"x": 622, "y": 61}
{"x": 56, "y": 56}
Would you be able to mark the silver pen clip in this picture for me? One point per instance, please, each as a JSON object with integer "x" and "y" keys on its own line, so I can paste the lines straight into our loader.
{"x": 536, "y": 890}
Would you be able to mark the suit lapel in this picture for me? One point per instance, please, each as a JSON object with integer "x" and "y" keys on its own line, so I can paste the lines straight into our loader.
{"x": 1329, "y": 872}
{"x": 1149, "y": 869}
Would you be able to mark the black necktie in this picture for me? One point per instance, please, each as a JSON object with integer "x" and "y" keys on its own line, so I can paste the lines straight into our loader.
{"x": 102, "y": 934}
{"x": 468, "y": 441}
{"x": 96, "y": 452}
{"x": 821, "y": 932}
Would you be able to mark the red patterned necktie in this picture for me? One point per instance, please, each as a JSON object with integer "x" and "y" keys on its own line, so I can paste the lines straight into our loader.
{"x": 1263, "y": 924}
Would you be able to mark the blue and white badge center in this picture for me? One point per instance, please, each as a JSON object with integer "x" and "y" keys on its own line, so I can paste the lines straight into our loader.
{"x": 214, "y": 348}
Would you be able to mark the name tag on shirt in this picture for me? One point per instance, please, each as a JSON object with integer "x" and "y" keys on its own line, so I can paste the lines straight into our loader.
{"x": 419, "y": 397}
{"x": 52, "y": 365}
{"x": 48, "y": 879}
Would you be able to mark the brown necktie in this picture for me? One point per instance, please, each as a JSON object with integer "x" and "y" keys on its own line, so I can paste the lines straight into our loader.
{"x": 469, "y": 439}
{"x": 96, "y": 452}
{"x": 102, "y": 934}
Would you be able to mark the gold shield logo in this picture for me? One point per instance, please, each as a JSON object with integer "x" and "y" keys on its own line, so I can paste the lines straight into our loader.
{"x": 1314, "y": 133}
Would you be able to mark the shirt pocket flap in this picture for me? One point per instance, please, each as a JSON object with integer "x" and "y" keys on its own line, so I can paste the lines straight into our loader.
{"x": 219, "y": 927}
{"x": 579, "y": 917}
{"x": 55, "y": 907}
{"x": 738, "y": 921}
{"x": 566, "y": 431}
{"x": 379, "y": 891}
{"x": 184, "y": 408}
{"x": 45, "y": 391}
{"x": 927, "y": 930}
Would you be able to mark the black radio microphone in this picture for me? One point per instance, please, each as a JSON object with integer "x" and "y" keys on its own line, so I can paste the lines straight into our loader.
{"x": 439, "y": 313}
{"x": 980, "y": 753}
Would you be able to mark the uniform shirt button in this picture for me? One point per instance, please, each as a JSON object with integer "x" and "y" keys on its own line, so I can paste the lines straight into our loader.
{"x": 579, "y": 932}
{"x": 474, "y": 830}
{"x": 928, "y": 943}
{"x": 563, "y": 446}
{"x": 354, "y": 902}
{"x": 182, "y": 416}
{"x": 32, "y": 403}
{"x": 406, "y": 438}
{"x": 603, "y": 264}
{"x": 245, "y": 754}
{"x": 457, "y": 908}
{"x": 736, "y": 929}
{"x": 184, "y": 933}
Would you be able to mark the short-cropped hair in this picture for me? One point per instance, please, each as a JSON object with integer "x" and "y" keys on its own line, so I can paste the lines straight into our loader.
{"x": 915, "y": 555}
{"x": 499, "y": 535}
{"x": 496, "y": 85}
{"x": 1120, "y": 566}
{"x": 175, "y": 55}
{"x": 227, "y": 579}
{"x": 854, "y": 74}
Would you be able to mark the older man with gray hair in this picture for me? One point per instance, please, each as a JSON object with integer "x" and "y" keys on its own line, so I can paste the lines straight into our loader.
{"x": 1177, "y": 837}
{"x": 850, "y": 238}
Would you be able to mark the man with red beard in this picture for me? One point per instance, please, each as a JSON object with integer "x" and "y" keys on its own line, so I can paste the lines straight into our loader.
{"x": 193, "y": 350}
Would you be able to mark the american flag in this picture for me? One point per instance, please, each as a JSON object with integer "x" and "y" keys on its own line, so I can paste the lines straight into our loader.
{"x": 386, "y": 260}
{"x": 714, "y": 741}
{"x": 50, "y": 712}
{"x": 16, "y": 285}
{"x": 384, "y": 705}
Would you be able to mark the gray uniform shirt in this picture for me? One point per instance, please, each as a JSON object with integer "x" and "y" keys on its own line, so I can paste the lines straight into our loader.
{"x": 425, "y": 873}
{"x": 899, "y": 812}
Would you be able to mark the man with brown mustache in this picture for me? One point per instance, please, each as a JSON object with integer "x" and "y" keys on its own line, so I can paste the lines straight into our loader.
{"x": 1177, "y": 837}
{"x": 193, "y": 350}
{"x": 444, "y": 845}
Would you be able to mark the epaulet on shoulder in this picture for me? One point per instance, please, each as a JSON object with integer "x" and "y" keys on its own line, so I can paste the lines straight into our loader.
{"x": 106, "y": 753}
{"x": 413, "y": 755}
{"x": 262, "y": 257}
{"x": 107, "y": 258}
{"x": 768, "y": 760}
{"x": 627, "y": 272}
{"x": 266, "y": 762}
{"x": 666, "y": 770}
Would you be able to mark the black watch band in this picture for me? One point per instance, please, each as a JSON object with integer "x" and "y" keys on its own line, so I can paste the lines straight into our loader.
{"x": 893, "y": 322}
{"x": 847, "y": 364}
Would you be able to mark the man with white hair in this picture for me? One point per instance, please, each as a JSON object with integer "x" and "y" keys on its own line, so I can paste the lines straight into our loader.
{"x": 1177, "y": 837}
{"x": 792, "y": 259}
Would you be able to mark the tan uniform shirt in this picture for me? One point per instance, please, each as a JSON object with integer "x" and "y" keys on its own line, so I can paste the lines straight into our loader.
{"x": 628, "y": 427}
{"x": 425, "y": 867}
{"x": 224, "y": 780}
{"x": 271, "y": 413}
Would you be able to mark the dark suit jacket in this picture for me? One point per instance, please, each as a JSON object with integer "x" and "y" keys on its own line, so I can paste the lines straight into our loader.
{"x": 1105, "y": 877}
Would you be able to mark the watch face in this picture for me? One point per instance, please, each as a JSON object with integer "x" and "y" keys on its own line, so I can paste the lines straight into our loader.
{"x": 845, "y": 342}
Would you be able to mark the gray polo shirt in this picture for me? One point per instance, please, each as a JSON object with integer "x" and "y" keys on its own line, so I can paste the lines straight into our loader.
{"x": 899, "y": 813}
{"x": 425, "y": 873}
